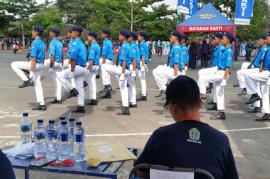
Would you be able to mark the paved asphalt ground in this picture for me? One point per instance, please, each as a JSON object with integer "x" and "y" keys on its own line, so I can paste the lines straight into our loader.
{"x": 249, "y": 139}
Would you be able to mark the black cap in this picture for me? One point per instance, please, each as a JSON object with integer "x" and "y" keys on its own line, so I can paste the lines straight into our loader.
{"x": 62, "y": 118}
{"x": 79, "y": 123}
{"x": 125, "y": 33}
{"x": 263, "y": 37}
{"x": 63, "y": 122}
{"x": 134, "y": 35}
{"x": 25, "y": 114}
{"x": 40, "y": 121}
{"x": 230, "y": 36}
{"x": 219, "y": 35}
{"x": 71, "y": 120}
{"x": 143, "y": 34}
{"x": 55, "y": 30}
{"x": 77, "y": 29}
{"x": 177, "y": 34}
{"x": 268, "y": 34}
{"x": 184, "y": 36}
{"x": 38, "y": 29}
{"x": 51, "y": 121}
{"x": 70, "y": 29}
{"x": 92, "y": 34}
{"x": 106, "y": 31}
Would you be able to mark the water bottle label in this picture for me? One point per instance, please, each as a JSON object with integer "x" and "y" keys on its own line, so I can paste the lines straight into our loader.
{"x": 79, "y": 138}
{"x": 40, "y": 135}
{"x": 52, "y": 134}
{"x": 25, "y": 128}
{"x": 64, "y": 137}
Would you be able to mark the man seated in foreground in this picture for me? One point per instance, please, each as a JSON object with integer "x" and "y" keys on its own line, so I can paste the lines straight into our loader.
{"x": 188, "y": 143}
{"x": 6, "y": 169}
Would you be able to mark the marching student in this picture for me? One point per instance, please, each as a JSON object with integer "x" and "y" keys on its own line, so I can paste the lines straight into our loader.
{"x": 144, "y": 62}
{"x": 165, "y": 73}
{"x": 220, "y": 77}
{"x": 261, "y": 78}
{"x": 93, "y": 67}
{"x": 107, "y": 57}
{"x": 76, "y": 70}
{"x": 135, "y": 63}
{"x": 121, "y": 69}
{"x": 185, "y": 53}
{"x": 35, "y": 66}
{"x": 54, "y": 63}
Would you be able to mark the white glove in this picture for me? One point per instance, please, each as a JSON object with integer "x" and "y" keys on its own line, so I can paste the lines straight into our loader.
{"x": 183, "y": 72}
{"x": 175, "y": 77}
{"x": 71, "y": 75}
{"x": 31, "y": 74}
{"x": 142, "y": 69}
{"x": 186, "y": 68}
{"x": 223, "y": 83}
{"x": 122, "y": 77}
{"x": 268, "y": 82}
{"x": 133, "y": 74}
{"x": 50, "y": 70}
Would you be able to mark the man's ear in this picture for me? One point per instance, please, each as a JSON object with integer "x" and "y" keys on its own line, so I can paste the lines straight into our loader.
{"x": 173, "y": 108}
{"x": 199, "y": 104}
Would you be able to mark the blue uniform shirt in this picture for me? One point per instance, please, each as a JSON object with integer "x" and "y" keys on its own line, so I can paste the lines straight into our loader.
{"x": 176, "y": 56}
{"x": 144, "y": 51}
{"x": 94, "y": 53}
{"x": 217, "y": 55}
{"x": 107, "y": 49}
{"x": 78, "y": 52}
{"x": 260, "y": 57}
{"x": 266, "y": 63}
{"x": 226, "y": 59}
{"x": 124, "y": 54}
{"x": 69, "y": 48}
{"x": 56, "y": 49}
{"x": 38, "y": 50}
{"x": 185, "y": 54}
{"x": 135, "y": 53}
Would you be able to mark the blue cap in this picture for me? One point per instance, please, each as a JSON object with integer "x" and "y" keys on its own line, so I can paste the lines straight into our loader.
{"x": 230, "y": 36}
{"x": 71, "y": 120}
{"x": 55, "y": 30}
{"x": 40, "y": 121}
{"x": 263, "y": 37}
{"x": 125, "y": 33}
{"x": 268, "y": 34}
{"x": 134, "y": 35}
{"x": 63, "y": 122}
{"x": 77, "y": 29}
{"x": 177, "y": 34}
{"x": 62, "y": 118}
{"x": 51, "y": 121}
{"x": 184, "y": 36}
{"x": 79, "y": 123}
{"x": 106, "y": 31}
{"x": 38, "y": 29}
{"x": 92, "y": 34}
{"x": 143, "y": 34}
{"x": 25, "y": 114}
{"x": 219, "y": 35}
{"x": 70, "y": 29}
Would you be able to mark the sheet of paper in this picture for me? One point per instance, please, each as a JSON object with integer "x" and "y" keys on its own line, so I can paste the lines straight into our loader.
{"x": 161, "y": 174}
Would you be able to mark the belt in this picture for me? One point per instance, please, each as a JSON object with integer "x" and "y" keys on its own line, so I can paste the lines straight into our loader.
{"x": 40, "y": 62}
{"x": 96, "y": 64}
{"x": 81, "y": 65}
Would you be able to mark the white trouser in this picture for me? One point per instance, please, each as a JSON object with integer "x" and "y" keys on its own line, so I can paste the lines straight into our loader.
{"x": 162, "y": 75}
{"x": 204, "y": 78}
{"x": 253, "y": 80}
{"x": 141, "y": 75}
{"x": 106, "y": 77}
{"x": 242, "y": 72}
{"x": 91, "y": 79}
{"x": 66, "y": 64}
{"x": 79, "y": 74}
{"x": 117, "y": 71}
{"x": 57, "y": 67}
{"x": 132, "y": 88}
{"x": 18, "y": 68}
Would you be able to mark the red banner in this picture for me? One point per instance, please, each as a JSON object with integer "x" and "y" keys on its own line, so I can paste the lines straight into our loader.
{"x": 211, "y": 28}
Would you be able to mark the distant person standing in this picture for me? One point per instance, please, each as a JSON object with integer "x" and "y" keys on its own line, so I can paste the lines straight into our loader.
{"x": 237, "y": 50}
{"x": 204, "y": 53}
{"x": 193, "y": 53}
{"x": 249, "y": 49}
{"x": 2, "y": 43}
{"x": 150, "y": 49}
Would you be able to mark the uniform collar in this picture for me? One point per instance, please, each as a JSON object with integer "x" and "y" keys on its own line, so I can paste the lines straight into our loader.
{"x": 93, "y": 42}
{"x": 182, "y": 45}
{"x": 176, "y": 43}
{"x": 125, "y": 42}
{"x": 264, "y": 46}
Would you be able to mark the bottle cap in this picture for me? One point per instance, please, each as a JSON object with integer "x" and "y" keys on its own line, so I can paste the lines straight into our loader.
{"x": 63, "y": 122}
{"x": 62, "y": 118}
{"x": 51, "y": 121}
{"x": 25, "y": 114}
{"x": 40, "y": 121}
{"x": 71, "y": 119}
{"x": 79, "y": 123}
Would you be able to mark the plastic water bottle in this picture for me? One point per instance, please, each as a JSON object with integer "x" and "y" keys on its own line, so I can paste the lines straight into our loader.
{"x": 51, "y": 147}
{"x": 62, "y": 118}
{"x": 71, "y": 130}
{"x": 26, "y": 129}
{"x": 40, "y": 140}
{"x": 79, "y": 147}
{"x": 63, "y": 142}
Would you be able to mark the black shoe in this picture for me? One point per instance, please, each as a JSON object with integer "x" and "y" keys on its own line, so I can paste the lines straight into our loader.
{"x": 106, "y": 94}
{"x": 85, "y": 84}
{"x": 160, "y": 94}
{"x": 98, "y": 76}
{"x": 25, "y": 84}
{"x": 236, "y": 85}
{"x": 253, "y": 99}
{"x": 105, "y": 89}
{"x": 73, "y": 93}
{"x": 219, "y": 116}
{"x": 40, "y": 108}
{"x": 243, "y": 92}
{"x": 93, "y": 102}
{"x": 265, "y": 117}
{"x": 208, "y": 90}
{"x": 142, "y": 98}
{"x": 132, "y": 105}
{"x": 80, "y": 109}
{"x": 55, "y": 101}
{"x": 212, "y": 103}
{"x": 212, "y": 107}
{"x": 124, "y": 111}
{"x": 255, "y": 110}
{"x": 31, "y": 82}
{"x": 204, "y": 99}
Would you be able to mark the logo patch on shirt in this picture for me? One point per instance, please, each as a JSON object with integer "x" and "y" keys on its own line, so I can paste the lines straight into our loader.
{"x": 123, "y": 52}
{"x": 229, "y": 58}
{"x": 92, "y": 51}
{"x": 194, "y": 136}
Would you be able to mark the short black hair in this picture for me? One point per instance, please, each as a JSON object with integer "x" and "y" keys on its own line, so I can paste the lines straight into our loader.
{"x": 184, "y": 92}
